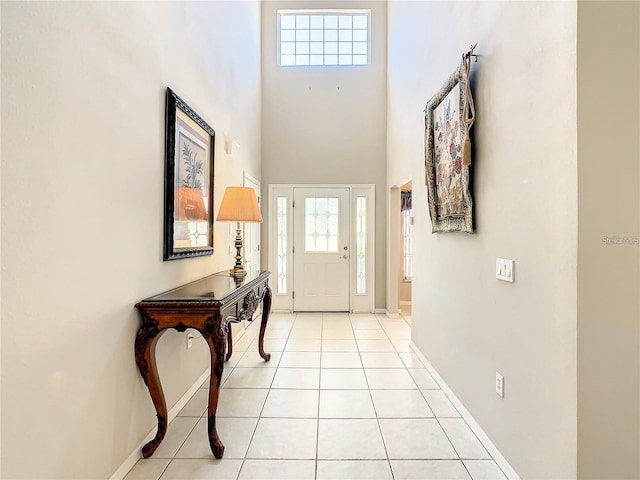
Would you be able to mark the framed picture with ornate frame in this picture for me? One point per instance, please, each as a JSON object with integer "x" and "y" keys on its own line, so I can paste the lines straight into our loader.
{"x": 188, "y": 189}
{"x": 448, "y": 154}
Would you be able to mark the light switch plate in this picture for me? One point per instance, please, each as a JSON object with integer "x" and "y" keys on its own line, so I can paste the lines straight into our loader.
{"x": 504, "y": 269}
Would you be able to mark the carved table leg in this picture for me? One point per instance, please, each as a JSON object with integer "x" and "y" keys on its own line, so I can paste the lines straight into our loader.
{"x": 229, "y": 344}
{"x": 266, "y": 309}
{"x": 145, "y": 350}
{"x": 215, "y": 337}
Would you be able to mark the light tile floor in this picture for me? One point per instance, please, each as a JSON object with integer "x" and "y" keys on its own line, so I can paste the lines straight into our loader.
{"x": 343, "y": 397}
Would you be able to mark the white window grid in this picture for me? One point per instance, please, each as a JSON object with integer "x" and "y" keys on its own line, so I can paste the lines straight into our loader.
{"x": 321, "y": 224}
{"x": 323, "y": 37}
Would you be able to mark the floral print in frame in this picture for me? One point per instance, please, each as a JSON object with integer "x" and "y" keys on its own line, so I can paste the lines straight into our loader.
{"x": 189, "y": 176}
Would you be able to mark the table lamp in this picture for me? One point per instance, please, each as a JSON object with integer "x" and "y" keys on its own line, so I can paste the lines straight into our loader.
{"x": 239, "y": 204}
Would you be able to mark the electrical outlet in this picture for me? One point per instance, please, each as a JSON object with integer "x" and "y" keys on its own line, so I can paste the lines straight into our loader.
{"x": 499, "y": 385}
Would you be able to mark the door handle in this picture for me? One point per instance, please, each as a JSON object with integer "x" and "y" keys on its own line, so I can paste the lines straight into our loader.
{"x": 344, "y": 257}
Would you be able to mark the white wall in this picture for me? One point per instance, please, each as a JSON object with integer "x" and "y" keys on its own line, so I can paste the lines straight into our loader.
{"x": 83, "y": 88}
{"x": 468, "y": 324}
{"x": 609, "y": 271}
{"x": 326, "y": 125}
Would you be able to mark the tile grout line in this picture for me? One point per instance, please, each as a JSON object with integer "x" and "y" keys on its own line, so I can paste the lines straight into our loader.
{"x": 412, "y": 378}
{"x": 254, "y": 429}
{"x": 366, "y": 379}
{"x": 434, "y": 413}
{"x": 246, "y": 453}
{"x": 319, "y": 397}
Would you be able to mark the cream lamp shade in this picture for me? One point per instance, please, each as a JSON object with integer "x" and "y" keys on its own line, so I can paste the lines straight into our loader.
{"x": 239, "y": 204}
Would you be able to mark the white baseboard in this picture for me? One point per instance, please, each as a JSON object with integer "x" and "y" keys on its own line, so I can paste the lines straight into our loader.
{"x": 136, "y": 455}
{"x": 391, "y": 315}
{"x": 380, "y": 310}
{"x": 405, "y": 303}
{"x": 482, "y": 436}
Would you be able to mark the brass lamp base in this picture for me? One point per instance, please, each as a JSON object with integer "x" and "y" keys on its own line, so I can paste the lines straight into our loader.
{"x": 238, "y": 270}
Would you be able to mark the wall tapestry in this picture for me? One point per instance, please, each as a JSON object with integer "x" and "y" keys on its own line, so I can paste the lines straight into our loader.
{"x": 449, "y": 116}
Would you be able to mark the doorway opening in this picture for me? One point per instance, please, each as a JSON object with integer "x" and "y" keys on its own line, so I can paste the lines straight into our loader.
{"x": 406, "y": 247}
{"x": 400, "y": 250}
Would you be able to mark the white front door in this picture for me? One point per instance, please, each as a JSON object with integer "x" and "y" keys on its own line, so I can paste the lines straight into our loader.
{"x": 321, "y": 249}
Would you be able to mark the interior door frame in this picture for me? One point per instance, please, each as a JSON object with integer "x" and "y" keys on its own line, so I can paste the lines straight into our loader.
{"x": 238, "y": 328}
{"x": 362, "y": 294}
{"x": 250, "y": 181}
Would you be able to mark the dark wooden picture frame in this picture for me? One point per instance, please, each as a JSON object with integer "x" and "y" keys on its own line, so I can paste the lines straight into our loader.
{"x": 188, "y": 188}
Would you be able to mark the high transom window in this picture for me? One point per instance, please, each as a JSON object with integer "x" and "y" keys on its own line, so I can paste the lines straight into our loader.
{"x": 323, "y": 37}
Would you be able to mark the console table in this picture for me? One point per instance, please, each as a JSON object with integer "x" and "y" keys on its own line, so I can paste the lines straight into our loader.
{"x": 208, "y": 305}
